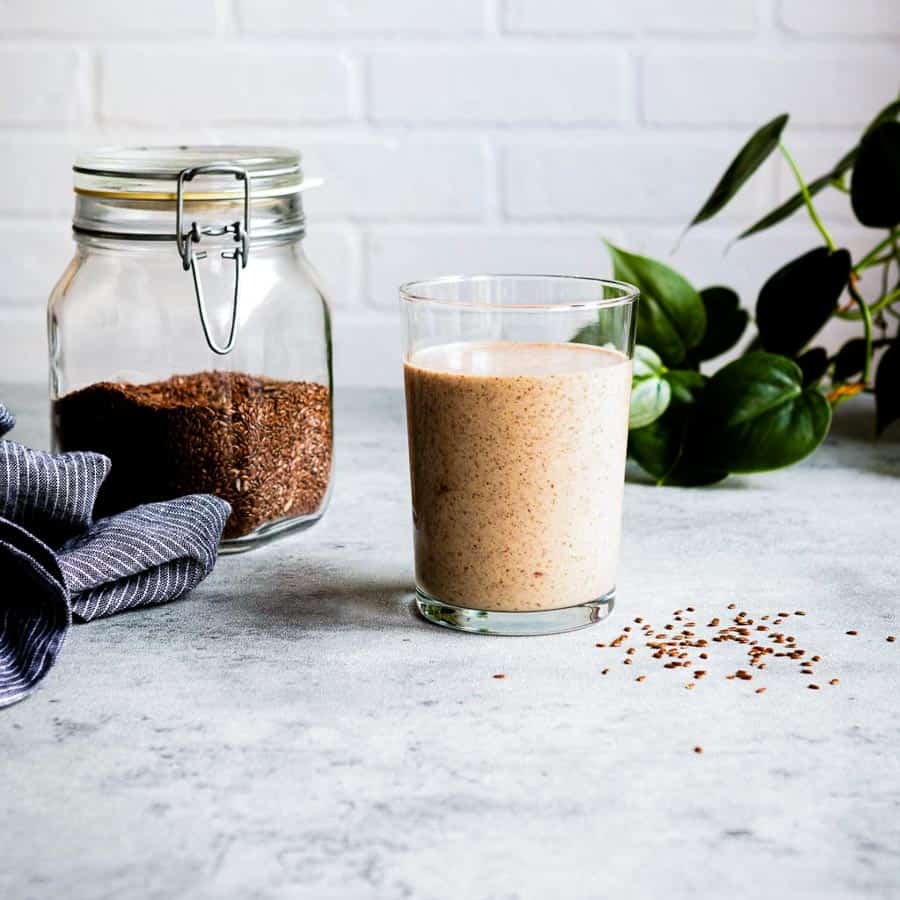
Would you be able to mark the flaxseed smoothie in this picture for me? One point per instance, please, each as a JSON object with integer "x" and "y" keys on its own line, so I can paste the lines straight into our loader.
{"x": 517, "y": 457}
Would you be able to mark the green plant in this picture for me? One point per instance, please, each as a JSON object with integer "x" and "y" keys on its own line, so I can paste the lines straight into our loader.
{"x": 771, "y": 406}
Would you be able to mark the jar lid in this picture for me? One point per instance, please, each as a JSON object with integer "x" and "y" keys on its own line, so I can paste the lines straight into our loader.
{"x": 151, "y": 173}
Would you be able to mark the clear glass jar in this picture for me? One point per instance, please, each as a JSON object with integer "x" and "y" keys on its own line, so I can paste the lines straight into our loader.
{"x": 190, "y": 337}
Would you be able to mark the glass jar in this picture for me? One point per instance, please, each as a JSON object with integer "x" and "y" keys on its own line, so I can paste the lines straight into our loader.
{"x": 190, "y": 337}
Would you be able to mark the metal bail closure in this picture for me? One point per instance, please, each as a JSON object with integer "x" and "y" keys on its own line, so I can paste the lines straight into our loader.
{"x": 186, "y": 241}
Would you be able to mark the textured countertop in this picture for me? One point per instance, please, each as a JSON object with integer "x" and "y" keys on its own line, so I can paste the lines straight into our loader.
{"x": 294, "y": 730}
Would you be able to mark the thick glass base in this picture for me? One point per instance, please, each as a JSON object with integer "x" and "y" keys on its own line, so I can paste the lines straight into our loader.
{"x": 269, "y": 532}
{"x": 547, "y": 621}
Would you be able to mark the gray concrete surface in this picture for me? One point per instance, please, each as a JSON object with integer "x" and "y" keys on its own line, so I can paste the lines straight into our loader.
{"x": 292, "y": 730}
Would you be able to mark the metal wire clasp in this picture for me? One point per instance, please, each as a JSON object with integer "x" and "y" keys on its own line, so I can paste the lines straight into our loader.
{"x": 186, "y": 240}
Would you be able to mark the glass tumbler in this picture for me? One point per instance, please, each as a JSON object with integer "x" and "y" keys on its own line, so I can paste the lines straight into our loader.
{"x": 517, "y": 396}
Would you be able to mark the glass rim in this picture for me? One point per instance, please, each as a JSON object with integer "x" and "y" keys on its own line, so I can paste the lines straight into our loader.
{"x": 414, "y": 292}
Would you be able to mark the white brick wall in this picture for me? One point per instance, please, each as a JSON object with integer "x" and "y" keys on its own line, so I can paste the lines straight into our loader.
{"x": 468, "y": 135}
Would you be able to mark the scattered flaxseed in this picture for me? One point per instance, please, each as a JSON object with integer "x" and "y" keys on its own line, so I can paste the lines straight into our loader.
{"x": 853, "y": 633}
{"x": 835, "y": 681}
{"x": 698, "y": 749}
{"x": 499, "y": 675}
{"x": 605, "y": 672}
{"x": 599, "y": 645}
{"x": 676, "y": 644}
{"x": 813, "y": 687}
{"x": 890, "y": 638}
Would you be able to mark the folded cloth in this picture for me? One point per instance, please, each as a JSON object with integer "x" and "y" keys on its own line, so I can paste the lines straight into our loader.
{"x": 148, "y": 555}
{"x": 34, "y": 611}
{"x": 56, "y": 562}
{"x": 51, "y": 495}
{"x": 7, "y": 420}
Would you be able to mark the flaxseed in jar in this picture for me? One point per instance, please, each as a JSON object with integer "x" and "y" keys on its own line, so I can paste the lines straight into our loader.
{"x": 190, "y": 337}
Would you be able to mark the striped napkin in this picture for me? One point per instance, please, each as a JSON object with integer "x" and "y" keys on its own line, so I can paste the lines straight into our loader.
{"x": 57, "y": 562}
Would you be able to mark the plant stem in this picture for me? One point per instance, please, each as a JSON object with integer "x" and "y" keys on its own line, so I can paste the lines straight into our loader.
{"x": 874, "y": 309}
{"x": 867, "y": 326}
{"x": 869, "y": 259}
{"x": 807, "y": 199}
{"x": 839, "y": 184}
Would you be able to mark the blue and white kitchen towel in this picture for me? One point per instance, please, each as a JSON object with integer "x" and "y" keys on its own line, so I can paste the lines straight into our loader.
{"x": 57, "y": 563}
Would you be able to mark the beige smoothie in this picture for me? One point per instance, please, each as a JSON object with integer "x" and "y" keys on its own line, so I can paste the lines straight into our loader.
{"x": 517, "y": 458}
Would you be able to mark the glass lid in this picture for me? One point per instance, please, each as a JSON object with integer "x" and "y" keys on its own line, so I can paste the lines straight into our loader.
{"x": 151, "y": 173}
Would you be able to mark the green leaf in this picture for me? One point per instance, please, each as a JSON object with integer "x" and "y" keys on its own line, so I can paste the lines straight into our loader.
{"x": 813, "y": 364}
{"x": 756, "y": 415}
{"x": 595, "y": 334}
{"x": 671, "y": 317}
{"x": 888, "y": 114}
{"x": 750, "y": 157}
{"x": 850, "y": 360}
{"x": 725, "y": 322}
{"x": 685, "y": 384}
{"x": 792, "y": 204}
{"x": 650, "y": 392}
{"x": 887, "y": 387}
{"x": 646, "y": 363}
{"x": 800, "y": 298}
{"x": 649, "y": 400}
{"x": 841, "y": 167}
{"x": 656, "y": 447}
{"x": 662, "y": 448}
{"x": 875, "y": 187}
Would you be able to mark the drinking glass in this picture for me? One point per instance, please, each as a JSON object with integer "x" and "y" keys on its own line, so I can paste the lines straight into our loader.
{"x": 517, "y": 395}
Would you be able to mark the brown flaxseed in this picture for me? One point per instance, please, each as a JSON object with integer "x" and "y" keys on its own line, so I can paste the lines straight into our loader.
{"x": 835, "y": 681}
{"x": 262, "y": 444}
{"x": 853, "y": 633}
